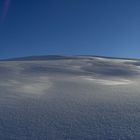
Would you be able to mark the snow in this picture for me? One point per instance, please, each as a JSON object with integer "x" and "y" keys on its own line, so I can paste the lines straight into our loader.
{"x": 109, "y": 82}
{"x": 77, "y": 98}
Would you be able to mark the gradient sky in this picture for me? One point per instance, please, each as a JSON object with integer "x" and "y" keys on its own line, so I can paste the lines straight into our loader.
{"x": 69, "y": 27}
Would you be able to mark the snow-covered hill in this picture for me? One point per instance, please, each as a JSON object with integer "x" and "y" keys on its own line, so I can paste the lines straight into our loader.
{"x": 69, "y": 98}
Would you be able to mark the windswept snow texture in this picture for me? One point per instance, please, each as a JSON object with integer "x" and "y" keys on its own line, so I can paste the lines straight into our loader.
{"x": 70, "y": 98}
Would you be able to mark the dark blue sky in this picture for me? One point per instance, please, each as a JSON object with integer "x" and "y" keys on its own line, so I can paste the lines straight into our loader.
{"x": 45, "y": 27}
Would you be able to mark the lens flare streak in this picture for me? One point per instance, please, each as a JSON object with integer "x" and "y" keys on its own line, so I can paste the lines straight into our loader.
{"x": 5, "y": 9}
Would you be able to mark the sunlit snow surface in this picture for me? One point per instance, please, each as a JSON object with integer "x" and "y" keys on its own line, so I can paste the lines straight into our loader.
{"x": 80, "y": 98}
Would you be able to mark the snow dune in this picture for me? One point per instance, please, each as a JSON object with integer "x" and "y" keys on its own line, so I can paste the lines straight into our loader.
{"x": 69, "y": 98}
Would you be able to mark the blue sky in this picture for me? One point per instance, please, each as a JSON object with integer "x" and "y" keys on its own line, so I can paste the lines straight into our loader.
{"x": 70, "y": 27}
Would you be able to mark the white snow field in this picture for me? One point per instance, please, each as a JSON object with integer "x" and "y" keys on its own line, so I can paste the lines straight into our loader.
{"x": 69, "y": 98}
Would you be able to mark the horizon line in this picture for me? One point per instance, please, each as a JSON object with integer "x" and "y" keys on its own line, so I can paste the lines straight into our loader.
{"x": 60, "y": 56}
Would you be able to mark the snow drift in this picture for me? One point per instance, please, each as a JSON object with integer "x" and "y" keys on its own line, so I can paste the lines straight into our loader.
{"x": 69, "y": 98}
